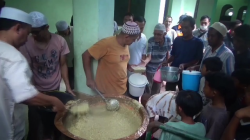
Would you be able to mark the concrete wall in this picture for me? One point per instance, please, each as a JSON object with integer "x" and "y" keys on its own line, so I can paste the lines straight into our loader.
{"x": 180, "y": 7}
{"x": 237, "y": 4}
{"x": 54, "y": 10}
{"x": 205, "y": 8}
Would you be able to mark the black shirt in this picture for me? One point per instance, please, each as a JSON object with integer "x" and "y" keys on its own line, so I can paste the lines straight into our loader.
{"x": 242, "y": 60}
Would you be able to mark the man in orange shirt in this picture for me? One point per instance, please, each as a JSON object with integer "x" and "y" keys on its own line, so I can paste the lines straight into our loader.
{"x": 113, "y": 56}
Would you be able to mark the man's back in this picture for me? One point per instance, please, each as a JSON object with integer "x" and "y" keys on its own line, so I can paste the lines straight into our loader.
{"x": 196, "y": 129}
{"x": 215, "y": 121}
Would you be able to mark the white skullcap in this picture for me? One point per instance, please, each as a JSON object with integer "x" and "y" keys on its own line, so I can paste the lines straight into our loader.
{"x": 15, "y": 14}
{"x": 160, "y": 27}
{"x": 131, "y": 28}
{"x": 221, "y": 28}
{"x": 62, "y": 26}
{"x": 38, "y": 19}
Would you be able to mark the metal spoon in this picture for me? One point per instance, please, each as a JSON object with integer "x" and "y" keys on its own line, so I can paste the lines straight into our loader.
{"x": 111, "y": 104}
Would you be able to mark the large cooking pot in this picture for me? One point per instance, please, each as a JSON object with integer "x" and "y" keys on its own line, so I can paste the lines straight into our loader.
{"x": 62, "y": 120}
{"x": 170, "y": 74}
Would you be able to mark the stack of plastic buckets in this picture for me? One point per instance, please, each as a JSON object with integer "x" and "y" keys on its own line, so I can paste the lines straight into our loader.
{"x": 191, "y": 80}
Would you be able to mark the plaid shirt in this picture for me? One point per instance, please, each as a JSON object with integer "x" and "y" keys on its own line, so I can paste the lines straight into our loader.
{"x": 158, "y": 53}
{"x": 225, "y": 55}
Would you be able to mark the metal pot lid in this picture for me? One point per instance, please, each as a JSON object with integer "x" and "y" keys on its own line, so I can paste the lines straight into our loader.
{"x": 138, "y": 79}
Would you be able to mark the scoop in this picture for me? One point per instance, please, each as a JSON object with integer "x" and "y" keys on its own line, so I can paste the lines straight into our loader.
{"x": 80, "y": 109}
{"x": 111, "y": 104}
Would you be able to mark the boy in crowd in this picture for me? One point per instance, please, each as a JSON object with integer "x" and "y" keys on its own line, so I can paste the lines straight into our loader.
{"x": 188, "y": 104}
{"x": 238, "y": 128}
{"x": 219, "y": 88}
{"x": 242, "y": 81}
{"x": 211, "y": 64}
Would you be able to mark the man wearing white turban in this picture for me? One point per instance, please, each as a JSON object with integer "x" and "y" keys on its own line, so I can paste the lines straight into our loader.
{"x": 64, "y": 30}
{"x": 158, "y": 52}
{"x": 15, "y": 76}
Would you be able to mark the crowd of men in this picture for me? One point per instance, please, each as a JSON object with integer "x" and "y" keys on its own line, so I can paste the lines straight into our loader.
{"x": 32, "y": 65}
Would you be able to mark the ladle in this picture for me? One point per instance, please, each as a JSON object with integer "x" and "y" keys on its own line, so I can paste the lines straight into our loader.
{"x": 111, "y": 104}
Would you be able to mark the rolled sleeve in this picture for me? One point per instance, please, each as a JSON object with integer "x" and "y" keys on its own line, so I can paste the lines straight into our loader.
{"x": 230, "y": 61}
{"x": 99, "y": 49}
{"x": 18, "y": 81}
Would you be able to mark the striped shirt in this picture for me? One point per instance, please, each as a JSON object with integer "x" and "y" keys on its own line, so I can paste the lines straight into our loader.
{"x": 158, "y": 53}
{"x": 162, "y": 104}
{"x": 225, "y": 55}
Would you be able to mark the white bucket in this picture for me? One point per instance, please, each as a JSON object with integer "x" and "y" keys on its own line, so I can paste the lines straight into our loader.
{"x": 137, "y": 84}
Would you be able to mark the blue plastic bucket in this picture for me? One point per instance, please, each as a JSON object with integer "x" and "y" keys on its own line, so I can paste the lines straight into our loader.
{"x": 191, "y": 80}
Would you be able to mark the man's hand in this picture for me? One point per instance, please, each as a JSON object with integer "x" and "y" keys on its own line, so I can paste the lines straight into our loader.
{"x": 70, "y": 91}
{"x": 181, "y": 67}
{"x": 91, "y": 84}
{"x": 143, "y": 63}
{"x": 165, "y": 64}
{"x": 243, "y": 113}
{"x": 153, "y": 125}
{"x": 130, "y": 68}
{"x": 58, "y": 106}
{"x": 193, "y": 68}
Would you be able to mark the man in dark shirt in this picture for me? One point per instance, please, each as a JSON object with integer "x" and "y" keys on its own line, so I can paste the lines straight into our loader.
{"x": 228, "y": 40}
{"x": 177, "y": 27}
{"x": 187, "y": 50}
{"x": 242, "y": 45}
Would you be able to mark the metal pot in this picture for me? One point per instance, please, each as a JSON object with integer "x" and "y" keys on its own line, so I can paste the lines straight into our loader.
{"x": 62, "y": 120}
{"x": 170, "y": 74}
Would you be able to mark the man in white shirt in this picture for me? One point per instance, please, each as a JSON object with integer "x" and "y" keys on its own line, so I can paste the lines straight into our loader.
{"x": 138, "y": 49}
{"x": 171, "y": 33}
{"x": 15, "y": 76}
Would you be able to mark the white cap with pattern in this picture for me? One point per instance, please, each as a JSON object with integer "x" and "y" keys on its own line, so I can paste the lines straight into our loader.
{"x": 38, "y": 19}
{"x": 220, "y": 27}
{"x": 160, "y": 27}
{"x": 62, "y": 26}
{"x": 131, "y": 28}
{"x": 15, "y": 14}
